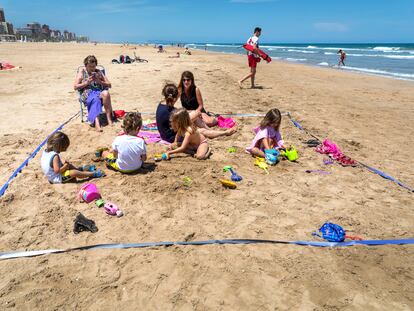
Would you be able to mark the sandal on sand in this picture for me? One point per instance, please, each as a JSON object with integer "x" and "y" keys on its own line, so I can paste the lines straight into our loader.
{"x": 345, "y": 161}
{"x": 98, "y": 174}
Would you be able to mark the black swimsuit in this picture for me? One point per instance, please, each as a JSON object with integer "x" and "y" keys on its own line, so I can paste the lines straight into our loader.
{"x": 190, "y": 103}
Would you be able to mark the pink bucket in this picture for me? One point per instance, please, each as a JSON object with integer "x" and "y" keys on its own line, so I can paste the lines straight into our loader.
{"x": 89, "y": 192}
{"x": 226, "y": 123}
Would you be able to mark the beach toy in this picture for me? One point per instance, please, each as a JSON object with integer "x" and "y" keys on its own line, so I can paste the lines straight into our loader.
{"x": 187, "y": 181}
{"x": 119, "y": 114}
{"x": 158, "y": 157}
{"x": 100, "y": 203}
{"x": 99, "y": 150}
{"x": 260, "y": 162}
{"x": 232, "y": 150}
{"x": 271, "y": 156}
{"x": 112, "y": 209}
{"x": 234, "y": 176}
{"x": 228, "y": 184}
{"x": 225, "y": 122}
{"x": 334, "y": 233}
{"x": 165, "y": 156}
{"x": 328, "y": 161}
{"x": 89, "y": 192}
{"x": 290, "y": 153}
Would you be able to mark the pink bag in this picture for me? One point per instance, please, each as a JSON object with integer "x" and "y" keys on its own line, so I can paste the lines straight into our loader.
{"x": 89, "y": 192}
{"x": 225, "y": 122}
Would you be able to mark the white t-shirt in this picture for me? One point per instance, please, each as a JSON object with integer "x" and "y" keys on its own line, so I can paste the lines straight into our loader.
{"x": 253, "y": 40}
{"x": 46, "y": 162}
{"x": 129, "y": 148}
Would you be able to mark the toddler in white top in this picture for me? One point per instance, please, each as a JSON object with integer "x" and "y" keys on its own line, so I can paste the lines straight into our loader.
{"x": 128, "y": 152}
{"x": 56, "y": 170}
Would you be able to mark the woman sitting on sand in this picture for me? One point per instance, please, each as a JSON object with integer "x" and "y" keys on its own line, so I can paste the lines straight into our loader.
{"x": 93, "y": 85}
{"x": 166, "y": 108}
{"x": 191, "y": 98}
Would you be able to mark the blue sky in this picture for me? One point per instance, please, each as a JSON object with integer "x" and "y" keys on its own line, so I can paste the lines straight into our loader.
{"x": 282, "y": 21}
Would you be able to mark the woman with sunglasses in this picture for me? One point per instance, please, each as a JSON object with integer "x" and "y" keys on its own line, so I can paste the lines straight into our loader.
{"x": 191, "y": 98}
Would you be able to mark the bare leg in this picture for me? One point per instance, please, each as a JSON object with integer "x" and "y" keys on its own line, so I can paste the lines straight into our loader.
{"x": 257, "y": 152}
{"x": 245, "y": 78}
{"x": 253, "y": 75}
{"x": 209, "y": 121}
{"x": 217, "y": 133}
{"x": 106, "y": 100}
{"x": 79, "y": 174}
{"x": 202, "y": 151}
{"x": 98, "y": 125}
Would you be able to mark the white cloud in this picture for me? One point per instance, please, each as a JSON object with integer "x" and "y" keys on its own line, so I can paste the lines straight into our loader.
{"x": 335, "y": 27}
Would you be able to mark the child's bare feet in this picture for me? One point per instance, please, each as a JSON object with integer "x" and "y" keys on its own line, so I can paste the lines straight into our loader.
{"x": 240, "y": 84}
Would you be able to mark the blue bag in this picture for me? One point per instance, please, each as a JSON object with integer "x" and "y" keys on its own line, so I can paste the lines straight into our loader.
{"x": 331, "y": 232}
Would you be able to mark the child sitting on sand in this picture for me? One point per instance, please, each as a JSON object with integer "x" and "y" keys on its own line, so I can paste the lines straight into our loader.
{"x": 58, "y": 172}
{"x": 128, "y": 151}
{"x": 193, "y": 141}
{"x": 268, "y": 137}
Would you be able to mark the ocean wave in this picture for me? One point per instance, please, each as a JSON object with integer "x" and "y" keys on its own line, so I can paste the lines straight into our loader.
{"x": 380, "y": 72}
{"x": 296, "y": 59}
{"x": 302, "y": 51}
{"x": 399, "y": 56}
{"x": 385, "y": 48}
{"x": 222, "y": 45}
{"x": 323, "y": 64}
{"x": 329, "y": 53}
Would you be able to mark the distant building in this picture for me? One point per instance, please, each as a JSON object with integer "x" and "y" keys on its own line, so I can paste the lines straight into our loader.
{"x": 82, "y": 38}
{"x": 36, "y": 28}
{"x": 46, "y": 31}
{"x": 2, "y": 17}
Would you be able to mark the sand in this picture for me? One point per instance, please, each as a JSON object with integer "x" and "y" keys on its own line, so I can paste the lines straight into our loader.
{"x": 371, "y": 118}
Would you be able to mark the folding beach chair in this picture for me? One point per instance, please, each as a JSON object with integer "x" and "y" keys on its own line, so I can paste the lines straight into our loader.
{"x": 83, "y": 109}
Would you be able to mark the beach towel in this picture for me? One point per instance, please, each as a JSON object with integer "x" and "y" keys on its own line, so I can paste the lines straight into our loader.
{"x": 150, "y": 137}
{"x": 332, "y": 150}
{"x": 6, "y": 66}
{"x": 225, "y": 122}
{"x": 94, "y": 105}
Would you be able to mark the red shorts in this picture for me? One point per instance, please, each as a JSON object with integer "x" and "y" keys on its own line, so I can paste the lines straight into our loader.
{"x": 253, "y": 61}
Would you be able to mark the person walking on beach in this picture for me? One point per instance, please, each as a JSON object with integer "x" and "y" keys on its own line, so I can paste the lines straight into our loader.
{"x": 252, "y": 57}
{"x": 342, "y": 57}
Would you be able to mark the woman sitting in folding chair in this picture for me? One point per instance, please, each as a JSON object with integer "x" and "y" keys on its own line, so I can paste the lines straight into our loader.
{"x": 93, "y": 86}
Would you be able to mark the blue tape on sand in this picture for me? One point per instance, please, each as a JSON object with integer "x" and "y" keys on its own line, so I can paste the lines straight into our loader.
{"x": 12, "y": 255}
{"x": 31, "y": 156}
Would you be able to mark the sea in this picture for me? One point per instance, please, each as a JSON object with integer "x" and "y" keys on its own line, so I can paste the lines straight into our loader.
{"x": 388, "y": 60}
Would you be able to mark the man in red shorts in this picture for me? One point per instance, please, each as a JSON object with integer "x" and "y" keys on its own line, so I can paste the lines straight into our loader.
{"x": 253, "y": 57}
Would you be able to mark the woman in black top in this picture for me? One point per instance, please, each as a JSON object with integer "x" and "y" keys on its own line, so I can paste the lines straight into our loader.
{"x": 166, "y": 108}
{"x": 191, "y": 98}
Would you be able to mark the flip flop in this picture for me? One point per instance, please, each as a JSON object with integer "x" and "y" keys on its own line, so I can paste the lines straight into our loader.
{"x": 87, "y": 168}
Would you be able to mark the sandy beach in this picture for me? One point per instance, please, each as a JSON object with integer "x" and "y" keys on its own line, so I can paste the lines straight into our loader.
{"x": 370, "y": 118}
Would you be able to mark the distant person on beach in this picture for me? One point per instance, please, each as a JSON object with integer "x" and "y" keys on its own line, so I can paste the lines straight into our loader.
{"x": 160, "y": 49}
{"x": 253, "y": 57}
{"x": 342, "y": 57}
{"x": 128, "y": 152}
{"x": 189, "y": 138}
{"x": 176, "y": 56}
{"x": 268, "y": 137}
{"x": 187, "y": 51}
{"x": 165, "y": 109}
{"x": 58, "y": 171}
{"x": 191, "y": 98}
{"x": 94, "y": 85}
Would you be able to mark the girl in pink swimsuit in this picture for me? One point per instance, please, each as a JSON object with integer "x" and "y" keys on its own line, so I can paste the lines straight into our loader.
{"x": 267, "y": 137}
